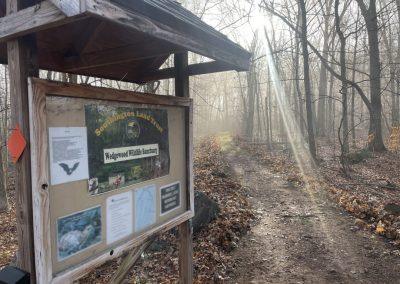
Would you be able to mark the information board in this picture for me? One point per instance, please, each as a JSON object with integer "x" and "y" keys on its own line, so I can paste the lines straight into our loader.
{"x": 109, "y": 170}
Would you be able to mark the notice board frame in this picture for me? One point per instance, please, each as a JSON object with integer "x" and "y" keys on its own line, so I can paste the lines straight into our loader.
{"x": 39, "y": 89}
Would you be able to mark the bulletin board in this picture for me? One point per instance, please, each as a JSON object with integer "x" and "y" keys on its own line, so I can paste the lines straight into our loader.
{"x": 110, "y": 169}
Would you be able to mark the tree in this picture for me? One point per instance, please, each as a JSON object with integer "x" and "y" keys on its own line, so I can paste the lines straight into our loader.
{"x": 323, "y": 82}
{"x": 344, "y": 141}
{"x": 375, "y": 141}
{"x": 374, "y": 106}
{"x": 307, "y": 82}
{"x": 252, "y": 82}
{"x": 3, "y": 160}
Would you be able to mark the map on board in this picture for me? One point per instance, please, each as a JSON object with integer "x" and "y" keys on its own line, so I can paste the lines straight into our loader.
{"x": 145, "y": 207}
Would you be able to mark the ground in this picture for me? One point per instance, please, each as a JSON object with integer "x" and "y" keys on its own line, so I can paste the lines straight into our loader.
{"x": 303, "y": 236}
{"x": 275, "y": 225}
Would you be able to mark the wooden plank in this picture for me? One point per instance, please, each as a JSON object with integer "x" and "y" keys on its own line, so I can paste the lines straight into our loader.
{"x": 97, "y": 93}
{"x": 21, "y": 64}
{"x": 189, "y": 157}
{"x": 185, "y": 229}
{"x": 193, "y": 70}
{"x": 129, "y": 261}
{"x": 150, "y": 26}
{"x": 40, "y": 178}
{"x": 116, "y": 56}
{"x": 30, "y": 20}
{"x": 173, "y": 14}
{"x": 68, "y": 7}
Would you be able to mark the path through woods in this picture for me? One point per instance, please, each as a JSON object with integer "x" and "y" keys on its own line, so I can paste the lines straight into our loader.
{"x": 304, "y": 239}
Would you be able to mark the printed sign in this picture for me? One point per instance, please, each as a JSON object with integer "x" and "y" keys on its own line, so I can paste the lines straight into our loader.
{"x": 68, "y": 154}
{"x": 130, "y": 153}
{"x": 78, "y": 232}
{"x": 119, "y": 217}
{"x": 130, "y": 142}
{"x": 170, "y": 197}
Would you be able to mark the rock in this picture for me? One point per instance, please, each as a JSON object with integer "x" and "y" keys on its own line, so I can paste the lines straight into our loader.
{"x": 205, "y": 209}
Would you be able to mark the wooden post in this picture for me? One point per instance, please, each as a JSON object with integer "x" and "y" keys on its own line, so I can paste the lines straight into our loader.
{"x": 185, "y": 229}
{"x": 21, "y": 64}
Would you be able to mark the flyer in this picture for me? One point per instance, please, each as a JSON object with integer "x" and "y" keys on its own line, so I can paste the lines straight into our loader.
{"x": 119, "y": 217}
{"x": 78, "y": 232}
{"x": 68, "y": 154}
{"x": 145, "y": 207}
{"x": 127, "y": 146}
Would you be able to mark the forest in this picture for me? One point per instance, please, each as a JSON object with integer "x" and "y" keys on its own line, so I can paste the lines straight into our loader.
{"x": 300, "y": 154}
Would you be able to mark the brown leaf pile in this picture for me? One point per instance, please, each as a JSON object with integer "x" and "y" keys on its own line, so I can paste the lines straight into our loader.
{"x": 368, "y": 193}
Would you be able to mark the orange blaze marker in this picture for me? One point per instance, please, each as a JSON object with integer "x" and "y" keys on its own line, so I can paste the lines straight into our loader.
{"x": 16, "y": 144}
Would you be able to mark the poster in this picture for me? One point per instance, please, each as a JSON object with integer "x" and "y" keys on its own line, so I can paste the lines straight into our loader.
{"x": 145, "y": 207}
{"x": 170, "y": 197}
{"x": 78, "y": 232}
{"x": 127, "y": 146}
{"x": 119, "y": 217}
{"x": 68, "y": 154}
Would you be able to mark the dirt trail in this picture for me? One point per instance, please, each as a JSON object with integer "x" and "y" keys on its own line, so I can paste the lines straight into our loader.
{"x": 304, "y": 237}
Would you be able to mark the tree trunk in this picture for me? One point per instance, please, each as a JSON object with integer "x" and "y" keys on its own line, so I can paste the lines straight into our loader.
{"x": 251, "y": 91}
{"x": 307, "y": 83}
{"x": 396, "y": 118}
{"x": 353, "y": 91}
{"x": 3, "y": 160}
{"x": 344, "y": 121}
{"x": 331, "y": 110}
{"x": 250, "y": 112}
{"x": 375, "y": 140}
{"x": 3, "y": 186}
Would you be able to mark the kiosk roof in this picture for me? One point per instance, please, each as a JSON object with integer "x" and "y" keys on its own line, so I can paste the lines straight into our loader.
{"x": 119, "y": 39}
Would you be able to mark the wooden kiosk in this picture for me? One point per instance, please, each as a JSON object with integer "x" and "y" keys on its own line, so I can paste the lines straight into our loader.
{"x": 59, "y": 201}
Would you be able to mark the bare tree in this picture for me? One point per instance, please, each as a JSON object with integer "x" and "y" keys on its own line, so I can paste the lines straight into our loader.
{"x": 323, "y": 83}
{"x": 307, "y": 82}
{"x": 370, "y": 16}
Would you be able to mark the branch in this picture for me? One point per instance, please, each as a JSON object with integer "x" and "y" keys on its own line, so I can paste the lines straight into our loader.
{"x": 319, "y": 55}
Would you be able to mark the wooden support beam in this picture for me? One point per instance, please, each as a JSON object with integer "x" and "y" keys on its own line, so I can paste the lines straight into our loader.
{"x": 32, "y": 19}
{"x": 22, "y": 64}
{"x": 69, "y": 7}
{"x": 116, "y": 56}
{"x": 185, "y": 229}
{"x": 193, "y": 41}
{"x": 129, "y": 261}
{"x": 193, "y": 70}
{"x": 181, "y": 75}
